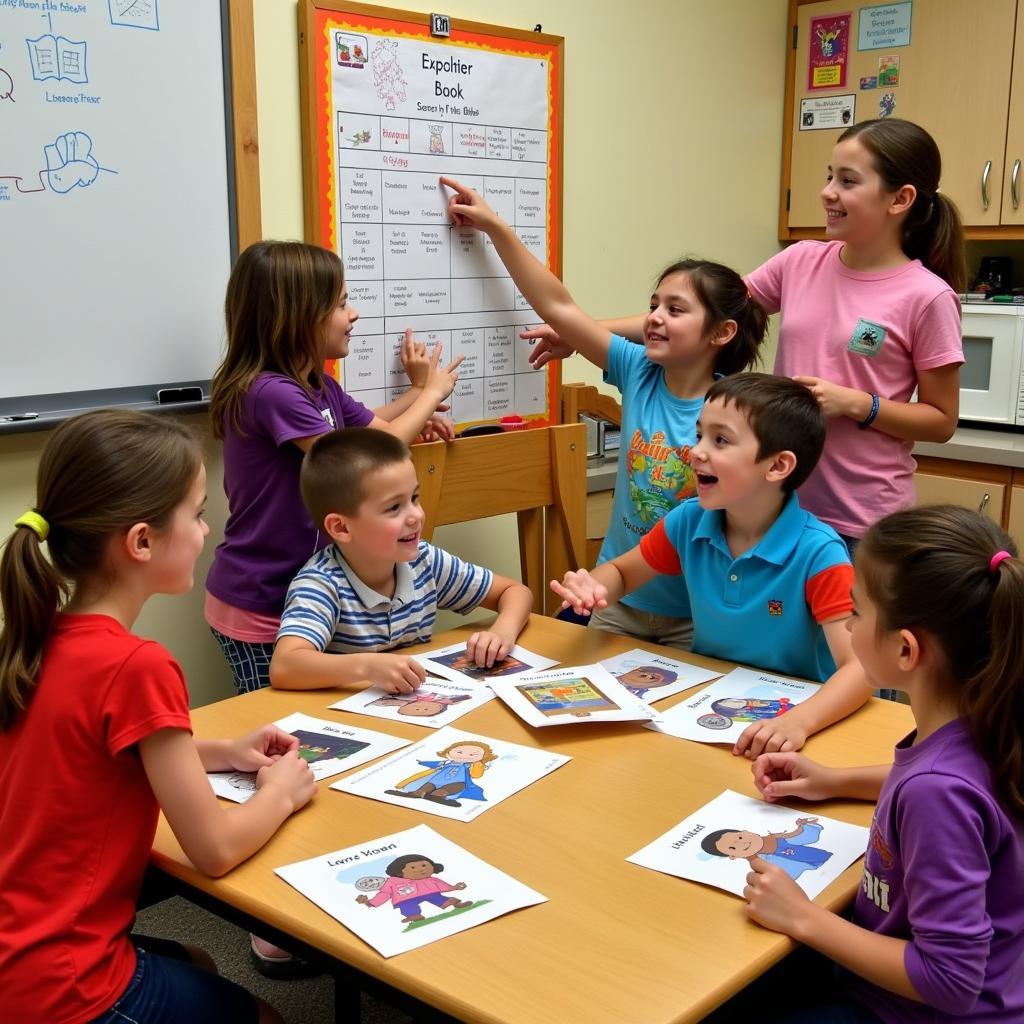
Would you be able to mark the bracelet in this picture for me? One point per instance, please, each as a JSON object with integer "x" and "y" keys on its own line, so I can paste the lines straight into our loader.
{"x": 870, "y": 418}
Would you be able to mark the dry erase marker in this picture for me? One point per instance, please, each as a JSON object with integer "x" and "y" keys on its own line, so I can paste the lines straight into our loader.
{"x": 18, "y": 416}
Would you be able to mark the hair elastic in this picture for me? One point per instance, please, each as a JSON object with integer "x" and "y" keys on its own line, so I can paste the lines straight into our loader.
{"x": 870, "y": 418}
{"x": 997, "y": 559}
{"x": 35, "y": 522}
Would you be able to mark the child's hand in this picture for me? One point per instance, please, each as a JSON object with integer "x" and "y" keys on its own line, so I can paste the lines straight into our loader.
{"x": 488, "y": 646}
{"x": 260, "y": 748}
{"x": 414, "y": 359}
{"x": 292, "y": 776}
{"x": 437, "y": 428}
{"x": 774, "y": 900}
{"x": 397, "y": 673}
{"x": 581, "y": 592}
{"x": 459, "y": 885}
{"x": 835, "y": 400}
{"x": 548, "y": 346}
{"x": 783, "y": 733}
{"x": 441, "y": 380}
{"x": 782, "y": 775}
{"x": 467, "y": 209}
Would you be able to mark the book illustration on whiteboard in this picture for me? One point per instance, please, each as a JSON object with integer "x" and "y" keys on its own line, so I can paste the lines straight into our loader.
{"x": 715, "y": 845}
{"x": 70, "y": 163}
{"x": 328, "y": 748}
{"x": 586, "y": 693}
{"x": 453, "y": 774}
{"x": 387, "y": 74}
{"x": 56, "y": 57}
{"x": 722, "y": 711}
{"x": 652, "y": 677}
{"x": 135, "y": 14}
{"x": 350, "y": 50}
{"x": 438, "y": 702}
{"x": 454, "y": 662}
{"x": 408, "y": 889}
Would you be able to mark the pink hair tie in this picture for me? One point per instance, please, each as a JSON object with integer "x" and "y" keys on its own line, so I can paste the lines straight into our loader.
{"x": 997, "y": 559}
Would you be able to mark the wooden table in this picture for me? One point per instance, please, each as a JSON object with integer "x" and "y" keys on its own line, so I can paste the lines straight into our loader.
{"x": 616, "y": 942}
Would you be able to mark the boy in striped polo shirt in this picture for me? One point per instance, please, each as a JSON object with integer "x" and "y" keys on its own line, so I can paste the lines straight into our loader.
{"x": 379, "y": 585}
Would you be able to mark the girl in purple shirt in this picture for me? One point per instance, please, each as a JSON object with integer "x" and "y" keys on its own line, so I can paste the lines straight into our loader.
{"x": 937, "y": 931}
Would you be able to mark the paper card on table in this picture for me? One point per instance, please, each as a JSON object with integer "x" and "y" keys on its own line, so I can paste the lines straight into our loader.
{"x": 652, "y": 677}
{"x": 454, "y": 774}
{"x": 720, "y": 713}
{"x": 408, "y": 889}
{"x": 437, "y": 702}
{"x": 452, "y": 662}
{"x": 329, "y": 747}
{"x": 585, "y": 693}
{"x": 713, "y": 844}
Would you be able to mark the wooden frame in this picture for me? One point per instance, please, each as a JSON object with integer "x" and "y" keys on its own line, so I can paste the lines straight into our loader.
{"x": 242, "y": 44}
{"x": 538, "y": 474}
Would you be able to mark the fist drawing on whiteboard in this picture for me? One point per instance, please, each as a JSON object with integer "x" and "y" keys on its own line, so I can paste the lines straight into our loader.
{"x": 69, "y": 162}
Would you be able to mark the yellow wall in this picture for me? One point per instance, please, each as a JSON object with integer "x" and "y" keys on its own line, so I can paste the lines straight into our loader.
{"x": 673, "y": 144}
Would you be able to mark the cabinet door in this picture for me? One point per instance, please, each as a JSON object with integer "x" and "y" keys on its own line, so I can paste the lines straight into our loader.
{"x": 954, "y": 81}
{"x": 980, "y": 495}
{"x": 1013, "y": 177}
{"x": 1015, "y": 523}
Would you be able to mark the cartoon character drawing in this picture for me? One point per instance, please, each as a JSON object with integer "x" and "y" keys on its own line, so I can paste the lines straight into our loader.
{"x": 436, "y": 138}
{"x": 743, "y": 709}
{"x": 887, "y": 104}
{"x": 419, "y": 705}
{"x": 794, "y": 851}
{"x": 646, "y": 677}
{"x": 387, "y": 73}
{"x": 577, "y": 697}
{"x": 462, "y": 763}
{"x": 827, "y": 41}
{"x": 412, "y": 882}
{"x": 463, "y": 662}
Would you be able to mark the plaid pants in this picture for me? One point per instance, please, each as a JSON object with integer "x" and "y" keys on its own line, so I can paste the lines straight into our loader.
{"x": 249, "y": 663}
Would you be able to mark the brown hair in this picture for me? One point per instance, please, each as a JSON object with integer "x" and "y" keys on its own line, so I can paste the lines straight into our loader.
{"x": 929, "y": 568}
{"x": 905, "y": 154}
{"x": 337, "y": 464}
{"x": 278, "y": 299}
{"x": 100, "y": 473}
{"x": 783, "y": 415}
{"x": 724, "y": 296}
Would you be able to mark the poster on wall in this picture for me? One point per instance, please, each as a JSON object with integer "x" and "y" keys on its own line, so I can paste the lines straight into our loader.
{"x": 820, "y": 112}
{"x": 884, "y": 26}
{"x": 389, "y": 109}
{"x": 828, "y": 52}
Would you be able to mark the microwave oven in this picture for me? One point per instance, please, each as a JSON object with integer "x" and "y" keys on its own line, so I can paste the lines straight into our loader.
{"x": 991, "y": 384}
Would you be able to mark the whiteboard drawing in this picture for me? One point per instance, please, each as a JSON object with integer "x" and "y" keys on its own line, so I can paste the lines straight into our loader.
{"x": 135, "y": 14}
{"x": 436, "y": 138}
{"x": 6, "y": 86}
{"x": 387, "y": 74}
{"x": 57, "y": 57}
{"x": 70, "y": 163}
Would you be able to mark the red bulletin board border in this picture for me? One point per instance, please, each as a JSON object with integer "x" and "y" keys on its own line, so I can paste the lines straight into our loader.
{"x": 317, "y": 18}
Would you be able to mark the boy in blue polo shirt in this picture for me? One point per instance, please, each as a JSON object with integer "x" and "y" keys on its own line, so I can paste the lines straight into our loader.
{"x": 379, "y": 585}
{"x": 769, "y": 583}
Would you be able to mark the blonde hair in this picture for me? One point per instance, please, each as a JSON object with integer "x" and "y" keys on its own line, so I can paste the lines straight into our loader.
{"x": 478, "y": 767}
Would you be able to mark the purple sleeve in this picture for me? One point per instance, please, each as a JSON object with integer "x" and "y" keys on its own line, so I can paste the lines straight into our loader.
{"x": 938, "y": 335}
{"x": 353, "y": 412}
{"x": 765, "y": 283}
{"x": 284, "y": 410}
{"x": 941, "y": 822}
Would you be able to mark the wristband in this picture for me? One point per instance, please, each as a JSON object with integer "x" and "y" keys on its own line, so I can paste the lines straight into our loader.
{"x": 870, "y": 418}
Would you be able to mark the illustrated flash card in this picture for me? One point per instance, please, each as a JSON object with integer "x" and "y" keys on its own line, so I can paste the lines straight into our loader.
{"x": 652, "y": 676}
{"x": 437, "y": 702}
{"x": 715, "y": 844}
{"x": 328, "y": 747}
{"x": 408, "y": 889}
{"x": 453, "y": 662}
{"x": 586, "y": 693}
{"x": 454, "y": 774}
{"x": 720, "y": 713}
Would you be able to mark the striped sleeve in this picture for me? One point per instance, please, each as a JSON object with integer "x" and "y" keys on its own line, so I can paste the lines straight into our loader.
{"x": 312, "y": 609}
{"x": 659, "y": 553}
{"x": 828, "y": 593}
{"x": 461, "y": 585}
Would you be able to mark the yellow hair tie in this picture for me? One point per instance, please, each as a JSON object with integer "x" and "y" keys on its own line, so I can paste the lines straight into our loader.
{"x": 36, "y": 523}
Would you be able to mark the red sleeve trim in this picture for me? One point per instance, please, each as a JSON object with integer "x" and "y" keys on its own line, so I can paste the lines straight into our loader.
{"x": 659, "y": 553}
{"x": 828, "y": 593}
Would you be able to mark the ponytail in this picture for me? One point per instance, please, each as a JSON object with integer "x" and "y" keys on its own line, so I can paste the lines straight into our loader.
{"x": 937, "y": 240}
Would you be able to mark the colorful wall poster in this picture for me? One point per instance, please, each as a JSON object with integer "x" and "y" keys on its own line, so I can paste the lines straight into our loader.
{"x": 652, "y": 676}
{"x": 570, "y": 696}
{"x": 438, "y": 702}
{"x": 828, "y": 52}
{"x": 820, "y": 112}
{"x": 714, "y": 845}
{"x": 453, "y": 662}
{"x": 329, "y": 747}
{"x": 454, "y": 773}
{"x": 407, "y": 889}
{"x": 884, "y": 26}
{"x": 889, "y": 71}
{"x": 721, "y": 712}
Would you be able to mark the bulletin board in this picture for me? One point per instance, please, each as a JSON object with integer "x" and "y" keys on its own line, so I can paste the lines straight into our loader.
{"x": 387, "y": 108}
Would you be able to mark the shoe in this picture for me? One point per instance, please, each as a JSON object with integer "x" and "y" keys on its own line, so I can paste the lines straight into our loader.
{"x": 277, "y": 964}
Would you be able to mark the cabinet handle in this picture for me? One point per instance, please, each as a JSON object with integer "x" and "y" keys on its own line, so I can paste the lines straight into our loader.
{"x": 983, "y": 504}
{"x": 1014, "y": 178}
{"x": 985, "y": 172}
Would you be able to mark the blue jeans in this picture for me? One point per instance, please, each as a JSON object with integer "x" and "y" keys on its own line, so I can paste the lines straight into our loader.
{"x": 249, "y": 663}
{"x": 167, "y": 988}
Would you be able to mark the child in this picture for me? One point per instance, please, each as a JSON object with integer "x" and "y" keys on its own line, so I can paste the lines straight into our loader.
{"x": 794, "y": 852}
{"x": 287, "y": 313}
{"x": 769, "y": 583}
{"x": 411, "y": 881}
{"x": 96, "y": 738}
{"x": 702, "y": 324}
{"x": 378, "y": 585}
{"x": 937, "y": 932}
{"x": 867, "y": 316}
{"x": 455, "y": 775}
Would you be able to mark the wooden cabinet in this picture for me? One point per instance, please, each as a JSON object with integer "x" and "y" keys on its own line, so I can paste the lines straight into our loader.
{"x": 1015, "y": 519}
{"x": 983, "y": 488}
{"x": 961, "y": 78}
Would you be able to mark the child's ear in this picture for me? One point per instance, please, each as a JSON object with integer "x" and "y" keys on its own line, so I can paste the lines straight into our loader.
{"x": 903, "y": 199}
{"x": 724, "y": 333}
{"x": 913, "y": 649}
{"x": 137, "y": 542}
{"x": 780, "y": 465}
{"x": 336, "y": 527}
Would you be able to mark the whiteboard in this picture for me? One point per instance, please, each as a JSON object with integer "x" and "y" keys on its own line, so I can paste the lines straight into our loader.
{"x": 116, "y": 213}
